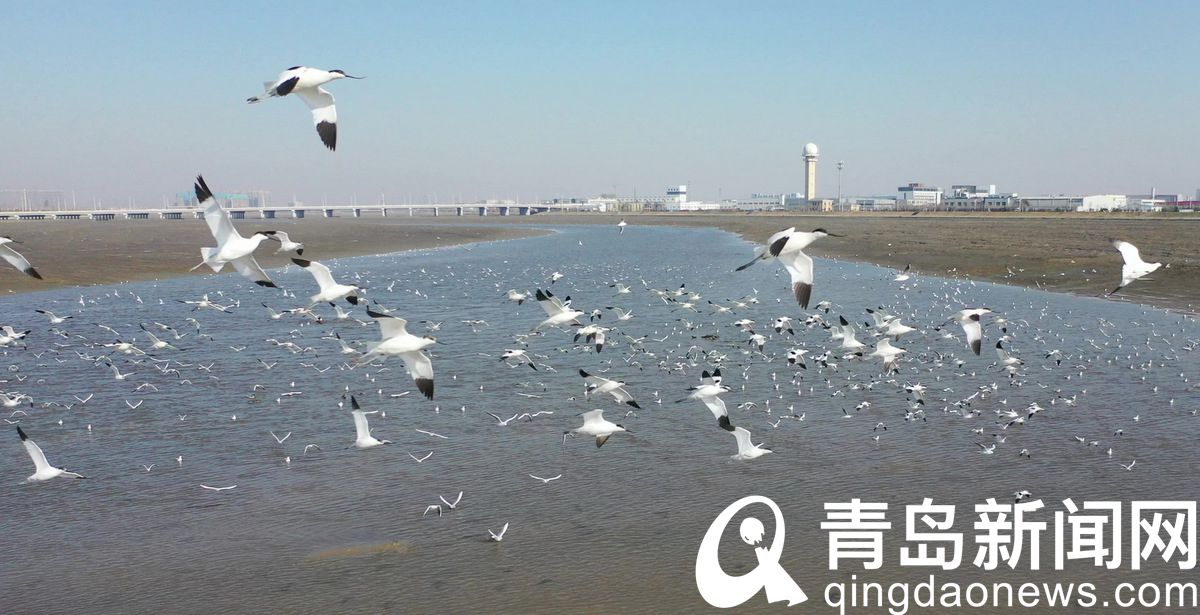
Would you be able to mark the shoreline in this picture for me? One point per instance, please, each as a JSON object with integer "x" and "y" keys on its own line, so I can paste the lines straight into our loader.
{"x": 1006, "y": 248}
{"x": 81, "y": 254}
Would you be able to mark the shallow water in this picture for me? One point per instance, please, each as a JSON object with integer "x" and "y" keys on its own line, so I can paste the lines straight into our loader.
{"x": 341, "y": 530}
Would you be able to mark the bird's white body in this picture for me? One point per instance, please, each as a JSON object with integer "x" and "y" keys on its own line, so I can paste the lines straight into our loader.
{"x": 594, "y": 424}
{"x": 398, "y": 342}
{"x": 558, "y": 312}
{"x": 746, "y": 448}
{"x": 362, "y": 431}
{"x": 231, "y": 248}
{"x": 969, "y": 320}
{"x": 15, "y": 259}
{"x": 306, "y": 82}
{"x": 330, "y": 290}
{"x": 1134, "y": 267}
{"x": 42, "y": 468}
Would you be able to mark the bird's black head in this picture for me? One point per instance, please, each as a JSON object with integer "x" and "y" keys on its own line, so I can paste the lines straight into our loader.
{"x": 343, "y": 73}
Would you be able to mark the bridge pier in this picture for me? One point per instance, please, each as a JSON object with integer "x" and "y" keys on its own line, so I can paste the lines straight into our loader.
{"x": 525, "y": 211}
{"x": 357, "y": 212}
{"x": 237, "y": 214}
{"x": 504, "y": 211}
{"x": 102, "y": 217}
{"x": 297, "y": 213}
{"x": 267, "y": 214}
{"x": 483, "y": 211}
{"x": 172, "y": 215}
{"x": 458, "y": 211}
{"x": 328, "y": 213}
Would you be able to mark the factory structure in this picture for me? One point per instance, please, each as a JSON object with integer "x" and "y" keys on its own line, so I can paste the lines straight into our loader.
{"x": 912, "y": 196}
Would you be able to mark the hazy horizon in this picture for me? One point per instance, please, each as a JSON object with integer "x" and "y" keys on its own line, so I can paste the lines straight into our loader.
{"x": 474, "y": 100}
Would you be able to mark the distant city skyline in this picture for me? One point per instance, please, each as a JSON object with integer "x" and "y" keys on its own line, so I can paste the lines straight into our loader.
{"x": 532, "y": 100}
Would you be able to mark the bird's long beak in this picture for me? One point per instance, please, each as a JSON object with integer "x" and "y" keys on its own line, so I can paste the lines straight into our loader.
{"x": 353, "y": 77}
{"x": 834, "y": 235}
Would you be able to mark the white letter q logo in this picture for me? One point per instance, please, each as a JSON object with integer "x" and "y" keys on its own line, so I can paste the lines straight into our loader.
{"x": 723, "y": 591}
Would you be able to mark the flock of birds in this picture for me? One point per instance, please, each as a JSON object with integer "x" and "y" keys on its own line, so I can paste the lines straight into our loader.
{"x": 596, "y": 330}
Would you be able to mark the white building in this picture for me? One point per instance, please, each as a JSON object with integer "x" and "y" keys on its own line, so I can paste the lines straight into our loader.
{"x": 919, "y": 196}
{"x": 811, "y": 153}
{"x": 968, "y": 197}
{"x": 1049, "y": 203}
{"x": 762, "y": 202}
{"x": 1103, "y": 202}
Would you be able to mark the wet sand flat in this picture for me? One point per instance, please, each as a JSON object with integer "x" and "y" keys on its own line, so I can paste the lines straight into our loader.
{"x": 1059, "y": 252}
{"x": 77, "y": 252}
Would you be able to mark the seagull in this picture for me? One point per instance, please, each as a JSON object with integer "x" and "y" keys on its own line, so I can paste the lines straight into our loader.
{"x": 558, "y": 312}
{"x": 1127, "y": 467}
{"x": 218, "y": 488}
{"x": 969, "y": 319}
{"x": 286, "y": 244}
{"x": 746, "y": 448}
{"x": 15, "y": 259}
{"x": 545, "y": 481}
{"x": 363, "y": 437}
{"x": 1134, "y": 267}
{"x": 454, "y": 504}
{"x": 903, "y": 276}
{"x": 502, "y": 422}
{"x": 231, "y": 247}
{"x": 514, "y": 295}
{"x": 498, "y": 537}
{"x": 397, "y": 341}
{"x": 621, "y": 225}
{"x": 708, "y": 393}
{"x": 42, "y": 468}
{"x": 434, "y": 507}
{"x": 597, "y": 385}
{"x": 306, "y": 83}
{"x": 54, "y": 320}
{"x": 420, "y": 459}
{"x": 519, "y": 355}
{"x": 279, "y": 440}
{"x": 330, "y": 290}
{"x": 594, "y": 424}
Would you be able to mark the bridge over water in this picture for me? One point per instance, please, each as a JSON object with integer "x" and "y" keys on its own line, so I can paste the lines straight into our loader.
{"x": 270, "y": 213}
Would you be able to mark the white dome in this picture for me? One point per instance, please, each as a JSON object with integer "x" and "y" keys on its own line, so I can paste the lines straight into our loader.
{"x": 811, "y": 150}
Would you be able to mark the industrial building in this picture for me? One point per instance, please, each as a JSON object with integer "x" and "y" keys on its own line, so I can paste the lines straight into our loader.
{"x": 919, "y": 196}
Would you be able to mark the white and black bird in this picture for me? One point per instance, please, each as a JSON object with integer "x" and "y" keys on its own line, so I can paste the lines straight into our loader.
{"x": 306, "y": 83}
{"x": 787, "y": 246}
{"x": 594, "y": 424}
{"x": 1134, "y": 267}
{"x": 231, "y": 248}
{"x": 42, "y": 468}
{"x": 597, "y": 385}
{"x": 330, "y": 290}
{"x": 708, "y": 393}
{"x": 15, "y": 259}
{"x": 286, "y": 244}
{"x": 747, "y": 449}
{"x": 969, "y": 320}
{"x": 398, "y": 342}
{"x": 362, "y": 431}
{"x": 558, "y": 312}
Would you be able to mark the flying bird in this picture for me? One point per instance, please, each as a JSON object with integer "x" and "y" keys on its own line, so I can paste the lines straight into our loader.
{"x": 397, "y": 341}
{"x": 231, "y": 247}
{"x": 1134, "y": 267}
{"x": 306, "y": 83}
{"x": 42, "y": 468}
{"x": 15, "y": 259}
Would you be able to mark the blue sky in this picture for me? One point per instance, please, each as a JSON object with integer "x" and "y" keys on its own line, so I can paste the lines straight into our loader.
{"x": 468, "y": 100}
